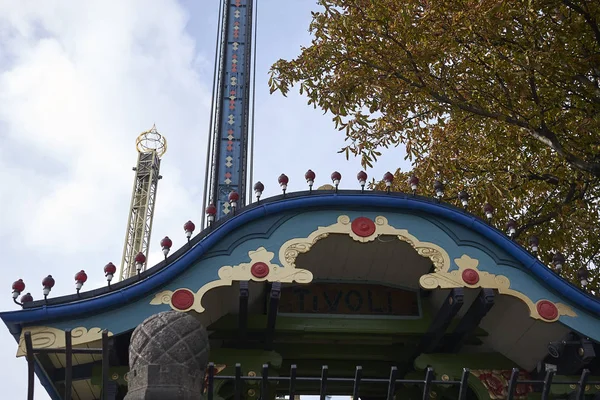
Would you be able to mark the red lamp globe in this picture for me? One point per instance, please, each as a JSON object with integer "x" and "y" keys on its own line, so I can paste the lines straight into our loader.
{"x": 140, "y": 258}
{"x": 48, "y": 283}
{"x": 283, "y": 182}
{"x": 413, "y": 181}
{"x": 511, "y": 226}
{"x": 558, "y": 260}
{"x": 233, "y": 198}
{"x": 166, "y": 244}
{"x": 80, "y": 279}
{"x": 388, "y": 178}
{"x": 81, "y": 276}
{"x": 310, "y": 177}
{"x": 438, "y": 187}
{"x": 362, "y": 178}
{"x": 259, "y": 189}
{"x": 211, "y": 212}
{"x": 464, "y": 198}
{"x": 189, "y": 228}
{"x": 17, "y": 287}
{"x": 336, "y": 177}
{"x": 488, "y": 209}
{"x": 109, "y": 271}
{"x": 534, "y": 242}
{"x": 26, "y": 298}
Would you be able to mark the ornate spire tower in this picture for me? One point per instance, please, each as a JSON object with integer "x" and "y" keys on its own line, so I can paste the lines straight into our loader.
{"x": 151, "y": 146}
{"x": 228, "y": 147}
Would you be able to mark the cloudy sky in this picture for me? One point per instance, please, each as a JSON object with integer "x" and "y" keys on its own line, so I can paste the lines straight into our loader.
{"x": 79, "y": 80}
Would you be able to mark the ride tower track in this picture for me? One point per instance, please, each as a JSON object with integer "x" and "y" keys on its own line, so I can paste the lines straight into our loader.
{"x": 228, "y": 139}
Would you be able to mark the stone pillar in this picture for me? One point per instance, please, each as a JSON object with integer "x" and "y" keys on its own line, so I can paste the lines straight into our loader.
{"x": 168, "y": 355}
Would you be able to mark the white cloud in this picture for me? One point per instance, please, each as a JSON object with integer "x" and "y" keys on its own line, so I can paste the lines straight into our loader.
{"x": 78, "y": 82}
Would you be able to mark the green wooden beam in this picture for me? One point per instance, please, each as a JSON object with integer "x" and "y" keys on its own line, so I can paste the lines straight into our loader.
{"x": 325, "y": 352}
{"x": 290, "y": 324}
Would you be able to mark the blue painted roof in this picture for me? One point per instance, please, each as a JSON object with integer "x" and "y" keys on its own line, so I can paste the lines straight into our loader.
{"x": 156, "y": 277}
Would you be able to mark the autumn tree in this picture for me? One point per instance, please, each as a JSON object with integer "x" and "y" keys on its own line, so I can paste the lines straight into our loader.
{"x": 497, "y": 98}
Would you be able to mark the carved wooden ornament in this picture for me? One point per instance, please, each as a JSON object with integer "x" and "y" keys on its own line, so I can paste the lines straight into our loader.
{"x": 260, "y": 268}
{"x": 469, "y": 276}
{"x": 45, "y": 337}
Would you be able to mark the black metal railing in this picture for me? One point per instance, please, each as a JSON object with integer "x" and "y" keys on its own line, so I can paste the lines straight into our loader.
{"x": 392, "y": 382}
{"x": 290, "y": 383}
{"x": 68, "y": 351}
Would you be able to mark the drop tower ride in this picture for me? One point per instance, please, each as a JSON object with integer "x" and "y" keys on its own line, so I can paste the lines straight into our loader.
{"x": 151, "y": 146}
{"x": 230, "y": 141}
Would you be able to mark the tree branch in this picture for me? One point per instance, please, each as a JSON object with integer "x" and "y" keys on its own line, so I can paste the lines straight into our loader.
{"x": 588, "y": 18}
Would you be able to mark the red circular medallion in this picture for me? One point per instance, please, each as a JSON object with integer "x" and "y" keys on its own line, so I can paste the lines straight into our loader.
{"x": 259, "y": 270}
{"x": 547, "y": 310}
{"x": 470, "y": 276}
{"x": 363, "y": 227}
{"x": 182, "y": 299}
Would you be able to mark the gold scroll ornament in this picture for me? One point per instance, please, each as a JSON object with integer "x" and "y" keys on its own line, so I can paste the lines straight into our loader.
{"x": 455, "y": 279}
{"x": 293, "y": 247}
{"x": 45, "y": 337}
{"x": 241, "y": 272}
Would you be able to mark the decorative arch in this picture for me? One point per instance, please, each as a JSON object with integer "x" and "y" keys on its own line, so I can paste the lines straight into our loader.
{"x": 469, "y": 276}
{"x": 259, "y": 269}
{"x": 363, "y": 230}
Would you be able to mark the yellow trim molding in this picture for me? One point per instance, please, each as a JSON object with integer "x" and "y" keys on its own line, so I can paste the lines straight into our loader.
{"x": 293, "y": 247}
{"x": 469, "y": 276}
{"x": 326, "y": 187}
{"x": 45, "y": 337}
{"x": 260, "y": 269}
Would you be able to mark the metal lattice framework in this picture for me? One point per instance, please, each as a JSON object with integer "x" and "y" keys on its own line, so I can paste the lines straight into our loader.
{"x": 151, "y": 145}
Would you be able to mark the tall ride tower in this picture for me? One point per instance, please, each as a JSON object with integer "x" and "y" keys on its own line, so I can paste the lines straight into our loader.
{"x": 151, "y": 146}
{"x": 227, "y": 161}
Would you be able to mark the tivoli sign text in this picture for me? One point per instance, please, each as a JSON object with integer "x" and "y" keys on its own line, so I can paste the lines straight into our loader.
{"x": 349, "y": 299}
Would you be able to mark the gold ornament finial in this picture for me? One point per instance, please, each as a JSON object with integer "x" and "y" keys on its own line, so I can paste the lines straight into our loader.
{"x": 151, "y": 141}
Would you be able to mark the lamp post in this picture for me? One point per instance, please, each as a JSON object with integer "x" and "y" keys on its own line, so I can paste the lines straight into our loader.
{"x": 80, "y": 279}
{"x": 233, "y": 199}
{"x": 283, "y": 182}
{"x": 189, "y": 228}
{"x": 413, "y": 182}
{"x": 259, "y": 188}
{"x": 362, "y": 180}
{"x": 388, "y": 178}
{"x": 438, "y": 187}
{"x": 166, "y": 244}
{"x": 211, "y": 213}
{"x": 48, "y": 283}
{"x": 336, "y": 177}
{"x": 140, "y": 260}
{"x": 310, "y": 179}
{"x": 109, "y": 271}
